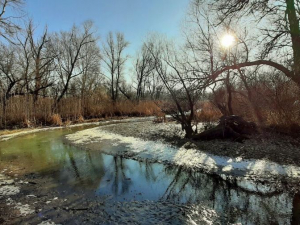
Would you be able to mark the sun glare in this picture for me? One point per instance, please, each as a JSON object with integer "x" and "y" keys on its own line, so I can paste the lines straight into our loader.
{"x": 227, "y": 40}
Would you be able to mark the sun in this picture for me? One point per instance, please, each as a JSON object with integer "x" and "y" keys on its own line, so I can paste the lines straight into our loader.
{"x": 227, "y": 40}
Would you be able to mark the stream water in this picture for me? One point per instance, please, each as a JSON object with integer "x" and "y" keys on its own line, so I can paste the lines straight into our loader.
{"x": 96, "y": 174}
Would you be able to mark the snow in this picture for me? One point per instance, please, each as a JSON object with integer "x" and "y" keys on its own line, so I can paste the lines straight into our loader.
{"x": 191, "y": 158}
{"x": 47, "y": 222}
{"x": 24, "y": 209}
{"x": 8, "y": 190}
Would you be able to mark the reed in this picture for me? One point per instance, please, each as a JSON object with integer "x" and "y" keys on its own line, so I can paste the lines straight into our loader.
{"x": 22, "y": 111}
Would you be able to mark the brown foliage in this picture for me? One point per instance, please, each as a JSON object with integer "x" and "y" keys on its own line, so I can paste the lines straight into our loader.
{"x": 55, "y": 119}
{"x": 208, "y": 112}
{"x": 273, "y": 99}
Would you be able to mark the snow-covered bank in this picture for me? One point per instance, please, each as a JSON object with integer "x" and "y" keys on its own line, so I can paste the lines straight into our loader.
{"x": 24, "y": 132}
{"x": 186, "y": 156}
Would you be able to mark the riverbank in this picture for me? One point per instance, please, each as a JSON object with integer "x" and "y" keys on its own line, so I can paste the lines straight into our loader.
{"x": 48, "y": 182}
{"x": 8, "y": 134}
{"x": 165, "y": 143}
{"x": 268, "y": 146}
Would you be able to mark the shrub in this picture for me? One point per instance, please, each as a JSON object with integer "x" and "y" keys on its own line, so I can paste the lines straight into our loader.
{"x": 55, "y": 119}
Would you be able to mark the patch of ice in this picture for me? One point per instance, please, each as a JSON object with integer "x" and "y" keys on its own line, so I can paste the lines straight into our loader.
{"x": 238, "y": 159}
{"x": 9, "y": 201}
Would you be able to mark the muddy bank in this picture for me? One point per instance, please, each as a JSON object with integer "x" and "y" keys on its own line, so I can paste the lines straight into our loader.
{"x": 32, "y": 199}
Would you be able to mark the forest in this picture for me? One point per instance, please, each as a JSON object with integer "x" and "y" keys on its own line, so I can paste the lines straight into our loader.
{"x": 237, "y": 58}
{"x": 109, "y": 114}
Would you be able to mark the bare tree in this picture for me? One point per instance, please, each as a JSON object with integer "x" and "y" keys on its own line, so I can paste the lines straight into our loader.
{"x": 69, "y": 48}
{"x": 205, "y": 55}
{"x": 184, "y": 92}
{"x": 9, "y": 75}
{"x": 144, "y": 67}
{"x": 154, "y": 86}
{"x": 9, "y": 23}
{"x": 91, "y": 77}
{"x": 114, "y": 59}
{"x": 43, "y": 56}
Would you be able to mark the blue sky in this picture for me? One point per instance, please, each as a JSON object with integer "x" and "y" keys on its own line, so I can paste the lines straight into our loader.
{"x": 135, "y": 18}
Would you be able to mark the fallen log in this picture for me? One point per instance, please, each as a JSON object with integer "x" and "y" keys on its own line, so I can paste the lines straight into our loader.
{"x": 229, "y": 127}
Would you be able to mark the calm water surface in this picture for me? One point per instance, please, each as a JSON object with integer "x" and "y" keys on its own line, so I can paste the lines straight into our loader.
{"x": 94, "y": 173}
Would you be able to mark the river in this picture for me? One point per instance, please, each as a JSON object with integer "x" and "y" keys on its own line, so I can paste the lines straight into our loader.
{"x": 94, "y": 174}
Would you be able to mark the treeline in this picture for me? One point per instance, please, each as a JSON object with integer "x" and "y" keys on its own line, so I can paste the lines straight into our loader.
{"x": 71, "y": 74}
{"x": 76, "y": 74}
{"x": 60, "y": 74}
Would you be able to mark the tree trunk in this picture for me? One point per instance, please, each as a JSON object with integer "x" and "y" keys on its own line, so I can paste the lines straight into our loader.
{"x": 61, "y": 95}
{"x": 187, "y": 127}
{"x": 37, "y": 80}
{"x": 295, "y": 36}
{"x": 255, "y": 108}
{"x": 4, "y": 111}
{"x": 229, "y": 94}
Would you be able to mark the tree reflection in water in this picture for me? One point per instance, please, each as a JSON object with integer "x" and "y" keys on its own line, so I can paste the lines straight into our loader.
{"x": 296, "y": 210}
{"x": 159, "y": 182}
{"x": 127, "y": 179}
{"x": 83, "y": 169}
{"x": 120, "y": 182}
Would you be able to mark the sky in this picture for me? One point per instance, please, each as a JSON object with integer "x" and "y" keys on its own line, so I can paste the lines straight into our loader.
{"x": 135, "y": 18}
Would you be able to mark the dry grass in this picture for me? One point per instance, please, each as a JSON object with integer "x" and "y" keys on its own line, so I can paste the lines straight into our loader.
{"x": 55, "y": 119}
{"x": 21, "y": 111}
{"x": 274, "y": 104}
{"x": 67, "y": 123}
{"x": 5, "y": 132}
{"x": 80, "y": 119}
{"x": 208, "y": 113}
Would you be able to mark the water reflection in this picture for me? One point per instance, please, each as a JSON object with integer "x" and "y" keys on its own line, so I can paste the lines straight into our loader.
{"x": 126, "y": 180}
